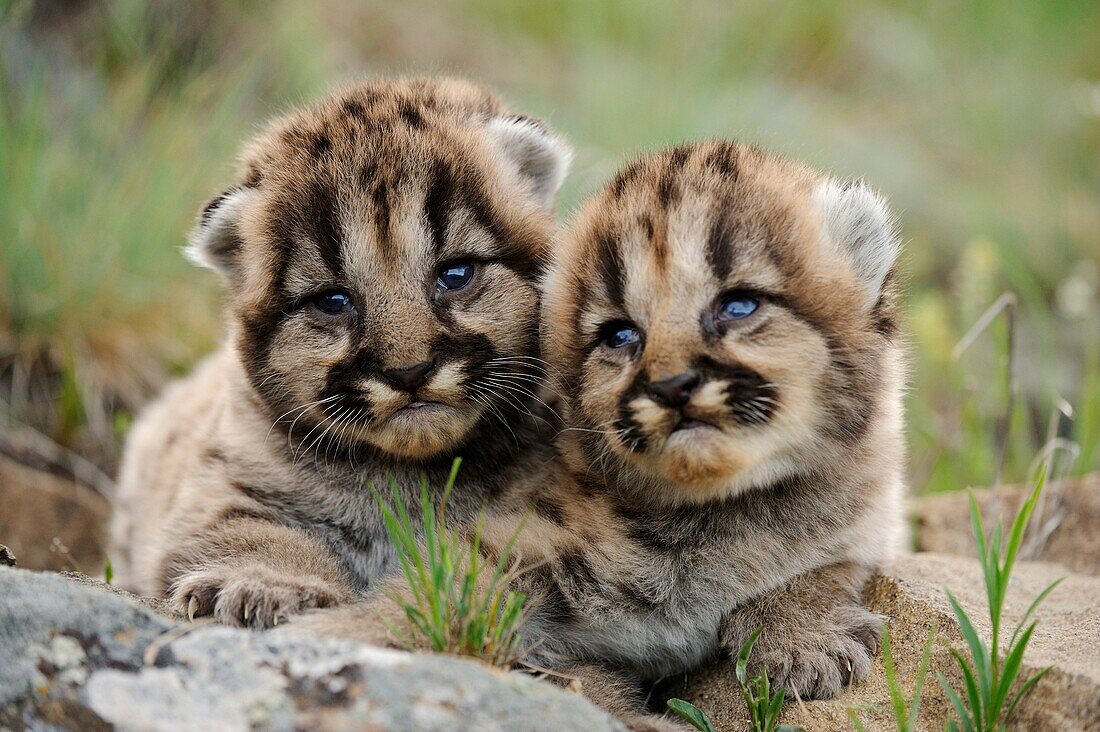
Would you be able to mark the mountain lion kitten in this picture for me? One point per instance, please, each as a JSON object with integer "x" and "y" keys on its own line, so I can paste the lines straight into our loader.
{"x": 724, "y": 324}
{"x": 382, "y": 251}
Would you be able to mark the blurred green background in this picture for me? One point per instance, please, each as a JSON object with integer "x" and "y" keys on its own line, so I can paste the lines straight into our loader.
{"x": 980, "y": 121}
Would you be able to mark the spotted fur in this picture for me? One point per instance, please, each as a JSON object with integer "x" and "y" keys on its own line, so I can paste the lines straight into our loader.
{"x": 766, "y": 489}
{"x": 244, "y": 492}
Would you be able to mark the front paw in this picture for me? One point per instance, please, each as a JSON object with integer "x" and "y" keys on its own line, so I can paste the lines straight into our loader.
{"x": 251, "y": 596}
{"x": 818, "y": 658}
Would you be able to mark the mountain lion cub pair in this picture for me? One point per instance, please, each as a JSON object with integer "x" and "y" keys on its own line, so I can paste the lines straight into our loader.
{"x": 721, "y": 322}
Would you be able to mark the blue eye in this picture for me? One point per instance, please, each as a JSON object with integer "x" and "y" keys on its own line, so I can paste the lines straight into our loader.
{"x": 621, "y": 336}
{"x": 333, "y": 302}
{"x": 455, "y": 276}
{"x": 738, "y": 307}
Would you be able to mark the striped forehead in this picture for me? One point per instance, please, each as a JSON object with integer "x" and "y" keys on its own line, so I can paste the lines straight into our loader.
{"x": 675, "y": 259}
{"x": 382, "y": 229}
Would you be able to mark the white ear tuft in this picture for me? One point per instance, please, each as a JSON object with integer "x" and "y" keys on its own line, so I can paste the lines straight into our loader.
{"x": 214, "y": 243}
{"x": 858, "y": 221}
{"x": 540, "y": 156}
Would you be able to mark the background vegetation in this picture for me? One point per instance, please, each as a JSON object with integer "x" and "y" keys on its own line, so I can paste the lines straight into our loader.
{"x": 980, "y": 120}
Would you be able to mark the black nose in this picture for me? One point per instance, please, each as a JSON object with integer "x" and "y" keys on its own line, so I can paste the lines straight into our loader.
{"x": 675, "y": 391}
{"x": 409, "y": 378}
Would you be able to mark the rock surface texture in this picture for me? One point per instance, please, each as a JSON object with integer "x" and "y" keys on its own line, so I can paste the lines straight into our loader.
{"x": 76, "y": 656}
{"x": 50, "y": 521}
{"x": 910, "y": 594}
{"x": 1064, "y": 528}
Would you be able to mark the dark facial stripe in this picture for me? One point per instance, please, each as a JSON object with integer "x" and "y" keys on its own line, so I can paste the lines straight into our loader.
{"x": 411, "y": 115}
{"x": 320, "y": 221}
{"x": 624, "y": 178}
{"x": 668, "y": 189}
{"x": 850, "y": 392}
{"x": 752, "y": 399}
{"x": 437, "y": 204}
{"x": 720, "y": 241}
{"x": 380, "y": 199}
{"x": 630, "y": 429}
{"x": 345, "y": 376}
{"x": 609, "y": 265}
{"x": 260, "y": 326}
{"x": 723, "y": 161}
{"x": 516, "y": 249}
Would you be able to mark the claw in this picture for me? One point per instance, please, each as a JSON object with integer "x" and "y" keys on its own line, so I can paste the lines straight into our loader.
{"x": 192, "y": 606}
{"x": 246, "y": 613}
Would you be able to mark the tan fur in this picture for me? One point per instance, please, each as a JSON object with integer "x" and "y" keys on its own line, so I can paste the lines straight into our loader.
{"x": 245, "y": 490}
{"x": 656, "y": 546}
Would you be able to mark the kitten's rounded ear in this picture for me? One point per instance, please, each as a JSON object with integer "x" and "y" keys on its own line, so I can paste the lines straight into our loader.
{"x": 859, "y": 223}
{"x": 216, "y": 241}
{"x": 540, "y": 156}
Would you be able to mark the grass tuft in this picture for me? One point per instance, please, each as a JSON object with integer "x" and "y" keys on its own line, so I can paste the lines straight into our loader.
{"x": 991, "y": 693}
{"x": 763, "y": 702}
{"x": 458, "y": 603}
{"x": 905, "y": 711}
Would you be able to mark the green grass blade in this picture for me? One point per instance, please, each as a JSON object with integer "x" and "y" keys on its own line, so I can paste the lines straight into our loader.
{"x": 978, "y": 653}
{"x": 1032, "y": 607}
{"x": 1024, "y": 689}
{"x": 772, "y": 714}
{"x": 1009, "y": 672}
{"x": 957, "y": 703}
{"x": 922, "y": 674}
{"x": 691, "y": 714}
{"x": 741, "y": 668}
{"x": 857, "y": 724}
{"x": 973, "y": 693}
{"x": 1023, "y": 516}
{"x": 897, "y": 695}
{"x": 449, "y": 486}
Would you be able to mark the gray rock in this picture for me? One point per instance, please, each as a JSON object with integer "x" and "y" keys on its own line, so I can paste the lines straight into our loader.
{"x": 85, "y": 658}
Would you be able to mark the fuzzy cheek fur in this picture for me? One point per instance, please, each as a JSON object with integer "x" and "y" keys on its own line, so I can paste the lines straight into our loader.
{"x": 660, "y": 251}
{"x": 747, "y": 418}
{"x": 302, "y": 227}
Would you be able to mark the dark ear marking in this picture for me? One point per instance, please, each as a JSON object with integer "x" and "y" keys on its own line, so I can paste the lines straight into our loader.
{"x": 212, "y": 206}
{"x": 216, "y": 241}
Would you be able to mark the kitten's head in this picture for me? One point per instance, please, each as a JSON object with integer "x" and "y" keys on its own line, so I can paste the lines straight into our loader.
{"x": 382, "y": 251}
{"x": 720, "y": 317}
